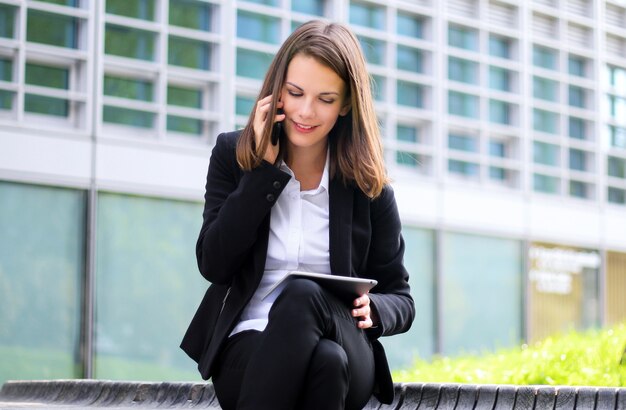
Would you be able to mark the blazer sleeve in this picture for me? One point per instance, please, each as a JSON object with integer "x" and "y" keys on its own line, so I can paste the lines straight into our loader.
{"x": 391, "y": 299}
{"x": 236, "y": 203}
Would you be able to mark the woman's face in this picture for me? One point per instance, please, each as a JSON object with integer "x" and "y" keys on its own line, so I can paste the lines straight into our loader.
{"x": 313, "y": 96}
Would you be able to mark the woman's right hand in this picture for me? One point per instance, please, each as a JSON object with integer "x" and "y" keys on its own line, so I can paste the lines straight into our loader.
{"x": 260, "y": 117}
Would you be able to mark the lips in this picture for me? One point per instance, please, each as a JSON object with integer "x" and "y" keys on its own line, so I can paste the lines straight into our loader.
{"x": 304, "y": 128}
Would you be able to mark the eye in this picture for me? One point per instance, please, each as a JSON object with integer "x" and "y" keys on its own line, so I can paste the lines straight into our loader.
{"x": 327, "y": 101}
{"x": 294, "y": 93}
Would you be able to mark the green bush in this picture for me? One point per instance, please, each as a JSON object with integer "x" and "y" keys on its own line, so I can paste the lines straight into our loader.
{"x": 589, "y": 358}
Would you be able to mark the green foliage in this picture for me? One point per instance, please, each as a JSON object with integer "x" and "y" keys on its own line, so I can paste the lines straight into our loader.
{"x": 589, "y": 358}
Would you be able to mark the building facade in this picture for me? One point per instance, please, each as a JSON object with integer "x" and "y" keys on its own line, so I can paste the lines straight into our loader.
{"x": 504, "y": 128}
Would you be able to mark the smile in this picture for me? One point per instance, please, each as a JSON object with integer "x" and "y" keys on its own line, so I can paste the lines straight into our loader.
{"x": 304, "y": 128}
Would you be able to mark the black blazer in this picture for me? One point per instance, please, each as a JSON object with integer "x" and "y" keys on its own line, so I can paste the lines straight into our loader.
{"x": 364, "y": 241}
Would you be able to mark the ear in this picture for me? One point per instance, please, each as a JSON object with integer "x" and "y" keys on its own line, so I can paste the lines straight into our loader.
{"x": 345, "y": 109}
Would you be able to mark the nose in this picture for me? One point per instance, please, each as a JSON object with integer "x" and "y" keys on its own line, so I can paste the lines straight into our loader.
{"x": 306, "y": 109}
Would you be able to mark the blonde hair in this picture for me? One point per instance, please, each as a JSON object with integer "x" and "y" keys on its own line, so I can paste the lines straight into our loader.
{"x": 356, "y": 152}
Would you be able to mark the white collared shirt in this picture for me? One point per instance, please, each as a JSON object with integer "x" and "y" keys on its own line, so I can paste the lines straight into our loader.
{"x": 298, "y": 240}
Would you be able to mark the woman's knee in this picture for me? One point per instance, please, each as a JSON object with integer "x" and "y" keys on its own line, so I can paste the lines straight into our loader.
{"x": 330, "y": 359}
{"x": 299, "y": 291}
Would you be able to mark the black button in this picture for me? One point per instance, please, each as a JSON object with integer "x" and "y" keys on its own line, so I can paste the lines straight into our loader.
{"x": 270, "y": 198}
{"x": 276, "y": 184}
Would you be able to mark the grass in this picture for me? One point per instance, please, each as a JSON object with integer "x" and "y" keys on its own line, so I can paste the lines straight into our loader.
{"x": 590, "y": 358}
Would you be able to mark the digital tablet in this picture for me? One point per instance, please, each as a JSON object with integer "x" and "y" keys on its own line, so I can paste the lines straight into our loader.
{"x": 342, "y": 286}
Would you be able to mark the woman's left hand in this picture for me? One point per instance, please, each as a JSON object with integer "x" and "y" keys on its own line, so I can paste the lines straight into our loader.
{"x": 363, "y": 312}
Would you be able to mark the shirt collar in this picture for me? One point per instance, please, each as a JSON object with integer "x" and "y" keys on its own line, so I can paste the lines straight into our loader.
{"x": 323, "y": 182}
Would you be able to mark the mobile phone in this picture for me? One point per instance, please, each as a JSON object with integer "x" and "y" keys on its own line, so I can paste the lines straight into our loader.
{"x": 278, "y": 128}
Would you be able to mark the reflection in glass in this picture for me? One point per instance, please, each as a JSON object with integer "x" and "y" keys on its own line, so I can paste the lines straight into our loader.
{"x": 546, "y": 154}
{"x": 40, "y": 104}
{"x": 373, "y": 49}
{"x": 52, "y": 29}
{"x": 192, "y": 14}
{"x": 463, "y": 168}
{"x": 577, "y": 128}
{"x": 577, "y": 159}
{"x": 410, "y": 25}
{"x": 258, "y": 27}
{"x": 545, "y": 89}
{"x": 315, "y": 7}
{"x": 139, "y": 9}
{"x": 41, "y": 270}
{"x": 462, "y": 70}
{"x": 616, "y": 167}
{"x": 407, "y": 133}
{"x": 127, "y": 116}
{"x": 578, "y": 189}
{"x": 252, "y": 64}
{"x": 129, "y": 42}
{"x": 499, "y": 78}
{"x": 368, "y": 15}
{"x": 499, "y": 112}
{"x": 545, "y": 57}
{"x": 184, "y": 124}
{"x": 482, "y": 293}
{"x": 7, "y": 21}
{"x": 499, "y": 46}
{"x": 189, "y": 53}
{"x": 244, "y": 105}
{"x": 134, "y": 89}
{"x": 409, "y": 59}
{"x": 545, "y": 183}
{"x": 184, "y": 97}
{"x": 462, "y": 104}
{"x": 147, "y": 287}
{"x": 545, "y": 121}
{"x": 463, "y": 37}
{"x": 410, "y": 94}
{"x": 576, "y": 96}
{"x": 463, "y": 142}
{"x": 616, "y": 195}
{"x": 576, "y": 65}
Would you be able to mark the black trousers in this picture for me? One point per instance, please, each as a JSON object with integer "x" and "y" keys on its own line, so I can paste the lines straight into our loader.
{"x": 311, "y": 355}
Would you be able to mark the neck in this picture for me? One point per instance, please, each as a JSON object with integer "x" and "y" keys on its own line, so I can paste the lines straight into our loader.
{"x": 307, "y": 165}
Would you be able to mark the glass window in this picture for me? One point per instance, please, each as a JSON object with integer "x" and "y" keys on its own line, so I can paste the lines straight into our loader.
{"x": 252, "y": 64}
{"x": 546, "y": 154}
{"x": 462, "y": 37}
{"x": 462, "y": 104}
{"x": 52, "y": 29}
{"x": 7, "y": 21}
{"x": 373, "y": 49}
{"x": 419, "y": 341}
{"x": 184, "y": 97}
{"x": 499, "y": 79}
{"x": 39, "y": 104}
{"x": 134, "y": 89}
{"x": 546, "y": 184}
{"x": 576, "y": 96}
{"x": 617, "y": 77}
{"x": 191, "y": 14}
{"x": 545, "y": 121}
{"x": 617, "y": 167}
{"x": 258, "y": 27}
{"x": 545, "y": 57}
{"x": 184, "y": 125}
{"x": 244, "y": 105}
{"x": 410, "y": 94}
{"x": 266, "y": 2}
{"x": 146, "y": 284}
{"x": 482, "y": 290}
{"x": 409, "y": 159}
{"x": 577, "y": 128}
{"x": 499, "y": 112}
{"x": 42, "y": 258}
{"x": 617, "y": 108}
{"x": 578, "y": 189}
{"x": 368, "y": 15}
{"x": 6, "y": 69}
{"x": 465, "y": 168}
{"x": 47, "y": 76}
{"x": 407, "y": 133}
{"x": 577, "y": 65}
{"x": 497, "y": 149}
{"x": 500, "y": 46}
{"x": 577, "y": 159}
{"x": 409, "y": 25}
{"x": 6, "y": 100}
{"x": 617, "y": 136}
{"x": 129, "y": 42}
{"x": 139, "y": 9}
{"x": 463, "y": 142}
{"x": 616, "y": 195}
{"x": 189, "y": 53}
{"x": 545, "y": 89}
{"x": 498, "y": 174}
{"x": 409, "y": 59}
{"x": 315, "y": 7}
{"x": 127, "y": 116}
{"x": 462, "y": 70}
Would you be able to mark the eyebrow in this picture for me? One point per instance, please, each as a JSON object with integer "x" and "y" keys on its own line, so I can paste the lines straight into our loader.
{"x": 301, "y": 89}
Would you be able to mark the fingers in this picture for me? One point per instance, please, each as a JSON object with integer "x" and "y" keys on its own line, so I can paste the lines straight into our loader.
{"x": 362, "y": 311}
{"x": 260, "y": 117}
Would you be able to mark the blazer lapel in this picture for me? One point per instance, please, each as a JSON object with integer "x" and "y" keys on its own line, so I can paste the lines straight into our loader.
{"x": 340, "y": 230}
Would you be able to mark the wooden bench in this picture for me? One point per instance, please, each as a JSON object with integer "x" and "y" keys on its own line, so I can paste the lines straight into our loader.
{"x": 75, "y": 394}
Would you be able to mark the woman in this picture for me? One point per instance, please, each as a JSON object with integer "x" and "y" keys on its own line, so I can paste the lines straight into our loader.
{"x": 316, "y": 200}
